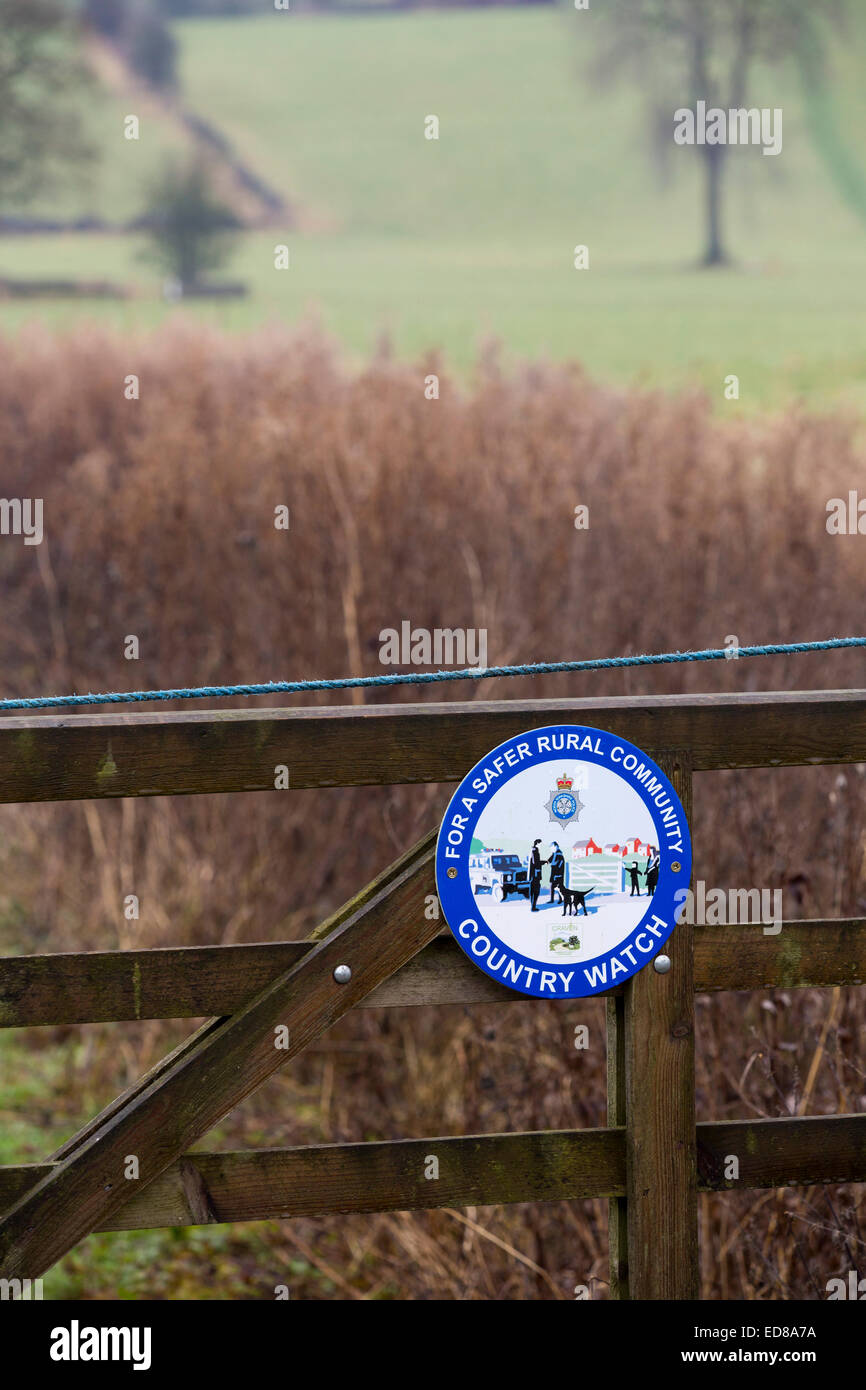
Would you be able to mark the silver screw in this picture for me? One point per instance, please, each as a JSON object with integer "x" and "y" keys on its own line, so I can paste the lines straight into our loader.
{"x": 343, "y": 974}
{"x": 662, "y": 964}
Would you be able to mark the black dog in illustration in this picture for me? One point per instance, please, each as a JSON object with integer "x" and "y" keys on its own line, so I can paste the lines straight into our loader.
{"x": 574, "y": 898}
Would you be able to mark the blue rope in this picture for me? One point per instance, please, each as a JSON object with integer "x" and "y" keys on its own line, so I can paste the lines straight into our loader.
{"x": 538, "y": 668}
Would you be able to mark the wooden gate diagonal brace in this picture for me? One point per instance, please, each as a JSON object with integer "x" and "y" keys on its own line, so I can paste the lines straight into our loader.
{"x": 417, "y": 858}
{"x": 192, "y": 1090}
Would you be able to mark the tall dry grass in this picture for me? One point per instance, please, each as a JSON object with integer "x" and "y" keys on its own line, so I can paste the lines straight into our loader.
{"x": 449, "y": 513}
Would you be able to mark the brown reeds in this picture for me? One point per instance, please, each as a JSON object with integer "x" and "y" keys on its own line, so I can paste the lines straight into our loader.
{"x": 456, "y": 512}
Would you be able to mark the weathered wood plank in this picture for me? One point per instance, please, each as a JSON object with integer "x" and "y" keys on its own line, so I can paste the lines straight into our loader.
{"x": 481, "y": 1170}
{"x": 157, "y": 1124}
{"x": 61, "y": 757}
{"x": 792, "y": 1152}
{"x": 486, "y": 1169}
{"x": 659, "y": 1044}
{"x": 617, "y": 1211}
{"x": 204, "y": 981}
{"x": 197, "y": 982}
{"x": 812, "y": 954}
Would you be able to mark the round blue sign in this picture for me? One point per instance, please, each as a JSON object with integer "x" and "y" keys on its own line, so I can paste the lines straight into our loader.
{"x": 562, "y": 861}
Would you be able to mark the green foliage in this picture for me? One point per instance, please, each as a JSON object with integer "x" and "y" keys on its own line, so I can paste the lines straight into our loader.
{"x": 42, "y": 84}
{"x": 191, "y": 230}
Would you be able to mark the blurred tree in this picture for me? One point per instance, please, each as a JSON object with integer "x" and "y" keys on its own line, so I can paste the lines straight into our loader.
{"x": 43, "y": 84}
{"x": 105, "y": 15}
{"x": 685, "y": 51}
{"x": 191, "y": 231}
{"x": 148, "y": 43}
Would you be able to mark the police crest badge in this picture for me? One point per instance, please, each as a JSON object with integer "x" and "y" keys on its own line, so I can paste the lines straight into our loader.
{"x": 563, "y": 805}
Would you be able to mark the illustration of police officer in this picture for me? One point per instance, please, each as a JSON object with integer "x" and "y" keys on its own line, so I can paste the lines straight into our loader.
{"x": 557, "y": 872}
{"x": 535, "y": 866}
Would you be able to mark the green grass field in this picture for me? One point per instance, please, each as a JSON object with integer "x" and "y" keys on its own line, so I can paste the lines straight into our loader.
{"x": 445, "y": 243}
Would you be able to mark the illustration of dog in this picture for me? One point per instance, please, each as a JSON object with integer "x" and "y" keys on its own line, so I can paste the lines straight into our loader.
{"x": 574, "y": 898}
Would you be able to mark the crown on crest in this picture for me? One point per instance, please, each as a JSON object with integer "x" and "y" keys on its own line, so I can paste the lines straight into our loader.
{"x": 564, "y": 783}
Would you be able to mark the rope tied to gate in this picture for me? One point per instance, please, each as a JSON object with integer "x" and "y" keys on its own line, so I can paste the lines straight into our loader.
{"x": 538, "y": 668}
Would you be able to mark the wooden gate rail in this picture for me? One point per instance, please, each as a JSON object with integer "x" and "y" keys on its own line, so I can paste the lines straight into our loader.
{"x": 649, "y": 1163}
{"x": 477, "y": 1170}
{"x": 204, "y": 981}
{"x": 69, "y": 757}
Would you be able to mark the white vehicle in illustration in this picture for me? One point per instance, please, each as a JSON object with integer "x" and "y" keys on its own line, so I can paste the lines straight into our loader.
{"x": 499, "y": 875}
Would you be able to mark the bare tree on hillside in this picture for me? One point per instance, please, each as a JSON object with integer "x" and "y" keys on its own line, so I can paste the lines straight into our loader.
{"x": 685, "y": 51}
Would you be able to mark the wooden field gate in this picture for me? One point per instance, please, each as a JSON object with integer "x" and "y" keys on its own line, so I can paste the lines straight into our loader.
{"x": 650, "y": 1161}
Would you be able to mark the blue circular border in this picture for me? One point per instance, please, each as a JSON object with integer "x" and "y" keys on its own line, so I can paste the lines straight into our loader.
{"x": 461, "y": 906}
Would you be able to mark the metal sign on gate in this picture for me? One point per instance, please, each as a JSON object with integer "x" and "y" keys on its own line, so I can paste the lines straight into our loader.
{"x": 562, "y": 860}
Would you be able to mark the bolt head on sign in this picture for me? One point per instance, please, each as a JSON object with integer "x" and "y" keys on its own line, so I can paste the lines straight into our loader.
{"x": 563, "y": 859}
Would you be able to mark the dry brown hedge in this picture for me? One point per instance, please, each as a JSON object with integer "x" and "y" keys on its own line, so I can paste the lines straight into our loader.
{"x": 456, "y": 512}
